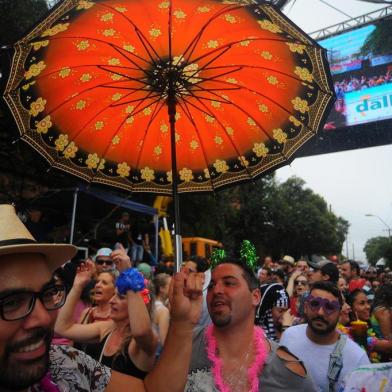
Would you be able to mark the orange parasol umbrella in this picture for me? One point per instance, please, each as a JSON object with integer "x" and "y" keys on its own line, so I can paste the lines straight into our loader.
{"x": 128, "y": 92}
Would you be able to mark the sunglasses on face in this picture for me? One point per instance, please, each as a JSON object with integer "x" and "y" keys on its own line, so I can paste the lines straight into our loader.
{"x": 301, "y": 282}
{"x": 329, "y": 307}
{"x": 102, "y": 262}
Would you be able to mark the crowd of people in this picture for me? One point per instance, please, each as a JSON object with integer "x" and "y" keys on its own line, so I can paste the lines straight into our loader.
{"x": 113, "y": 322}
{"x": 344, "y": 86}
{"x": 361, "y": 83}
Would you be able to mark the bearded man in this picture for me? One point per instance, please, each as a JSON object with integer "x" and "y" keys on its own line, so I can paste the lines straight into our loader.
{"x": 328, "y": 355}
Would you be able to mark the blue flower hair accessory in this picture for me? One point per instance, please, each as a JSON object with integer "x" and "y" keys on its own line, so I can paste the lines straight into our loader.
{"x": 130, "y": 279}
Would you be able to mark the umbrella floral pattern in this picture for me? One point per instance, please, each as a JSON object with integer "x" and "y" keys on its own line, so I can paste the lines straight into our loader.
{"x": 89, "y": 87}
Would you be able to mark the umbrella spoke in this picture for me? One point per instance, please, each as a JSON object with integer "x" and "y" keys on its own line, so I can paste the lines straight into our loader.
{"x": 184, "y": 106}
{"x": 153, "y": 116}
{"x": 215, "y": 77}
{"x": 113, "y": 105}
{"x": 184, "y": 99}
{"x": 78, "y": 132}
{"x": 138, "y": 80}
{"x": 242, "y": 66}
{"x": 229, "y": 45}
{"x": 142, "y": 38}
{"x": 119, "y": 49}
{"x": 170, "y": 33}
{"x": 146, "y": 106}
{"x": 140, "y": 101}
{"x": 259, "y": 126}
{"x": 227, "y": 135}
{"x": 193, "y": 43}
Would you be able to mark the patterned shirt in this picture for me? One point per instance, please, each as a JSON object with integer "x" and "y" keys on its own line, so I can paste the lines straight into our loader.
{"x": 74, "y": 371}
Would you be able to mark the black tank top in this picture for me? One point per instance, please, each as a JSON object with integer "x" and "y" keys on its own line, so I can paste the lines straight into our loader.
{"x": 120, "y": 362}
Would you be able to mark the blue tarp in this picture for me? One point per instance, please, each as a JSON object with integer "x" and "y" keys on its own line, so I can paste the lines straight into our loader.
{"x": 118, "y": 201}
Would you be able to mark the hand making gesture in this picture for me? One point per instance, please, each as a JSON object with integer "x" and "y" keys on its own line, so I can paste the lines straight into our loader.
{"x": 120, "y": 258}
{"x": 84, "y": 273}
{"x": 186, "y": 297}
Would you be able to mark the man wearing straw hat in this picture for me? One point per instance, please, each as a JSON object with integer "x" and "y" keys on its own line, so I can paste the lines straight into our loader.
{"x": 28, "y": 302}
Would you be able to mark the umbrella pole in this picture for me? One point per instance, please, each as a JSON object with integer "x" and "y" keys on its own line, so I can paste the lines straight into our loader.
{"x": 75, "y": 200}
{"x": 171, "y": 103}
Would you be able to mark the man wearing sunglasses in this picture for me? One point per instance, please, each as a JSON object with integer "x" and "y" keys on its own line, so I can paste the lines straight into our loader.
{"x": 29, "y": 299}
{"x": 328, "y": 355}
{"x": 103, "y": 260}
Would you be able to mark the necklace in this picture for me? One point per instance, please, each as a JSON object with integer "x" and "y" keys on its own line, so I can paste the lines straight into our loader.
{"x": 260, "y": 356}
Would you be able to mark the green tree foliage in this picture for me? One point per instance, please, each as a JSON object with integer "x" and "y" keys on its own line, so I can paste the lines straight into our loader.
{"x": 304, "y": 224}
{"x": 17, "y": 17}
{"x": 277, "y": 218}
{"x": 378, "y": 247}
{"x": 379, "y": 42}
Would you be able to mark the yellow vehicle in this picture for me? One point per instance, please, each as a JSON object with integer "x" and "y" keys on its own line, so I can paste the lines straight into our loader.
{"x": 198, "y": 246}
{"x": 191, "y": 246}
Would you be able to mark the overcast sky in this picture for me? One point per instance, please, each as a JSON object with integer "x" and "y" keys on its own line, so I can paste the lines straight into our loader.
{"x": 356, "y": 182}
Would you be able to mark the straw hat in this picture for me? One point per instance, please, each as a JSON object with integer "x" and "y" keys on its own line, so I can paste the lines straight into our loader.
{"x": 15, "y": 238}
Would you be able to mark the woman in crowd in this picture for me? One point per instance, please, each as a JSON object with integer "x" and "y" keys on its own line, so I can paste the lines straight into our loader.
{"x": 342, "y": 284}
{"x": 381, "y": 319}
{"x": 379, "y": 348}
{"x": 344, "y": 317}
{"x": 272, "y": 310}
{"x": 161, "y": 317}
{"x": 103, "y": 292}
{"x": 302, "y": 265}
{"x": 128, "y": 343}
{"x": 297, "y": 286}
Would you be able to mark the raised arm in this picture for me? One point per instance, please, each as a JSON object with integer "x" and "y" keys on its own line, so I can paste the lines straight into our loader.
{"x": 170, "y": 372}
{"x": 290, "y": 283}
{"x": 65, "y": 324}
{"x": 163, "y": 321}
{"x": 384, "y": 317}
{"x": 140, "y": 323}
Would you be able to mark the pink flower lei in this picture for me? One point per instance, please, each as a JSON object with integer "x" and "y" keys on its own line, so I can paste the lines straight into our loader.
{"x": 253, "y": 372}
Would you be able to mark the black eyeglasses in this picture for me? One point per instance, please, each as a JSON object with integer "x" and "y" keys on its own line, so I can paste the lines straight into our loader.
{"x": 17, "y": 305}
{"x": 102, "y": 262}
{"x": 329, "y": 307}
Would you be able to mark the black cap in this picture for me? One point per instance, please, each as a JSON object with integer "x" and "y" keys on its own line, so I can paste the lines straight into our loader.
{"x": 327, "y": 268}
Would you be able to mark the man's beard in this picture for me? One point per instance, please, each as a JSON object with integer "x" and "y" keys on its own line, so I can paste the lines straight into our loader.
{"x": 329, "y": 327}
{"x": 221, "y": 321}
{"x": 16, "y": 375}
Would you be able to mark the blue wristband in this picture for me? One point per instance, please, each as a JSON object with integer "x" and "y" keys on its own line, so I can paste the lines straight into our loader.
{"x": 130, "y": 279}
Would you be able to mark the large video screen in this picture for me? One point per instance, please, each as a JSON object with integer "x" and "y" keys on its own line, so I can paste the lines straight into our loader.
{"x": 362, "y": 73}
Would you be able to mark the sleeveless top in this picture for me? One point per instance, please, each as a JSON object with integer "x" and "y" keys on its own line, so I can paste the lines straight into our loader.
{"x": 91, "y": 316}
{"x": 120, "y": 362}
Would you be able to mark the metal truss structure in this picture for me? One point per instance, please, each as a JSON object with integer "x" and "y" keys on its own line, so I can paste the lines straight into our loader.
{"x": 352, "y": 23}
